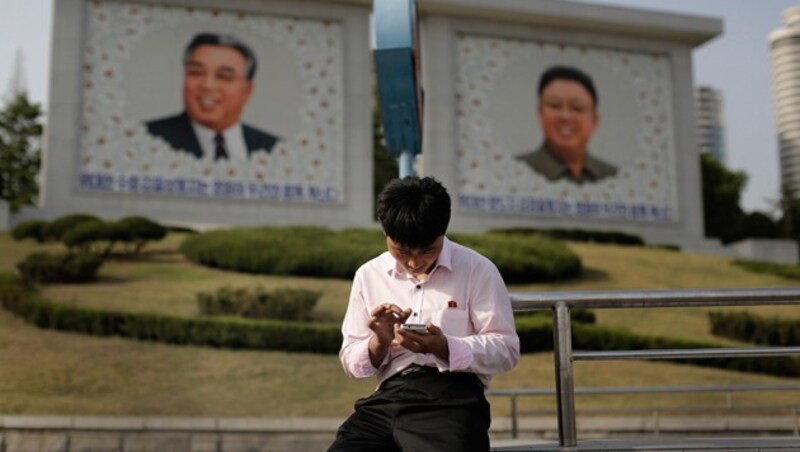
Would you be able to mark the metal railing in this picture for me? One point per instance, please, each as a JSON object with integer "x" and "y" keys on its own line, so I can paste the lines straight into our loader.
{"x": 562, "y": 302}
{"x": 514, "y": 394}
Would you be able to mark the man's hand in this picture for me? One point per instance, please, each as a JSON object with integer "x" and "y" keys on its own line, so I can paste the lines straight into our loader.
{"x": 382, "y": 323}
{"x": 434, "y": 341}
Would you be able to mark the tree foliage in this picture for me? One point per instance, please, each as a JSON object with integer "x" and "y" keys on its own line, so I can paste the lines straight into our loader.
{"x": 722, "y": 189}
{"x": 20, "y": 151}
{"x": 724, "y": 218}
{"x": 790, "y": 221}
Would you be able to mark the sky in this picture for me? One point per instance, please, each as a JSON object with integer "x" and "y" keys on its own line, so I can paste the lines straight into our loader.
{"x": 737, "y": 62}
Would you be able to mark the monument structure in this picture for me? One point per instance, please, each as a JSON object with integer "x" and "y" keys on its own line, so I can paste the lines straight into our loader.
{"x": 120, "y": 66}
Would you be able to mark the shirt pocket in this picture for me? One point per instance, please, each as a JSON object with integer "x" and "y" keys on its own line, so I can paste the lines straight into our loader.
{"x": 454, "y": 322}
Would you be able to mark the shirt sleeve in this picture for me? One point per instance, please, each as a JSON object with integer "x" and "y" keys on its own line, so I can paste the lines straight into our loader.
{"x": 494, "y": 348}
{"x": 356, "y": 334}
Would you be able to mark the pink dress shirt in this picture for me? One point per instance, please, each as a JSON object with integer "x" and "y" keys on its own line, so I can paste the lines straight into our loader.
{"x": 464, "y": 295}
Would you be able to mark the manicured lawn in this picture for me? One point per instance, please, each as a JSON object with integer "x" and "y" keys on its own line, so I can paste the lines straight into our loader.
{"x": 48, "y": 372}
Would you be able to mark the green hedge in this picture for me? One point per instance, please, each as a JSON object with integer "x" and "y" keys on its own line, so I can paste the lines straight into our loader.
{"x": 301, "y": 251}
{"x": 257, "y": 303}
{"x": 748, "y": 327}
{"x": 783, "y": 270}
{"x": 47, "y": 268}
{"x": 225, "y": 332}
{"x": 33, "y": 229}
{"x": 524, "y": 259}
{"x": 577, "y": 315}
{"x": 536, "y": 335}
{"x": 578, "y": 235}
{"x": 88, "y": 233}
{"x": 321, "y": 252}
{"x": 56, "y": 229}
{"x": 535, "y": 332}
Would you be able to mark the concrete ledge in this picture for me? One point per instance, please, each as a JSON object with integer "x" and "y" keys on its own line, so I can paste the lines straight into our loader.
{"x": 171, "y": 424}
{"x": 36, "y": 422}
{"x": 45, "y": 433}
{"x": 181, "y": 424}
{"x": 658, "y": 444}
{"x": 500, "y": 425}
{"x": 108, "y": 423}
{"x": 280, "y": 425}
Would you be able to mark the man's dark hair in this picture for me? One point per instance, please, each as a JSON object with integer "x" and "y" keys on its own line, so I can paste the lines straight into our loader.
{"x": 568, "y": 73}
{"x": 214, "y": 39}
{"x": 414, "y": 212}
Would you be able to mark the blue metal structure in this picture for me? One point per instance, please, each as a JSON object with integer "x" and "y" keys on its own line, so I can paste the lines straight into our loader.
{"x": 397, "y": 65}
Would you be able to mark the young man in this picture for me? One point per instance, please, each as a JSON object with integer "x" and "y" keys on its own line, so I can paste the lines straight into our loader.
{"x": 430, "y": 395}
{"x": 568, "y": 117}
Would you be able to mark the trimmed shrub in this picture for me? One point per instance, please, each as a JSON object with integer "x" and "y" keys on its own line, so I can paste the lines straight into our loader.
{"x": 226, "y": 332}
{"x": 579, "y": 235}
{"x": 282, "y": 304}
{"x": 321, "y": 252}
{"x": 748, "y": 327}
{"x": 783, "y": 270}
{"x": 44, "y": 268}
{"x": 536, "y": 335}
{"x": 522, "y": 259}
{"x": 577, "y": 315}
{"x": 300, "y": 251}
{"x": 90, "y": 234}
{"x": 33, "y": 229}
{"x": 82, "y": 236}
{"x": 56, "y": 228}
{"x": 138, "y": 230}
{"x": 535, "y": 332}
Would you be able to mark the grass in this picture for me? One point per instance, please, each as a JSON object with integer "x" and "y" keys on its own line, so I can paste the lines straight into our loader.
{"x": 48, "y": 372}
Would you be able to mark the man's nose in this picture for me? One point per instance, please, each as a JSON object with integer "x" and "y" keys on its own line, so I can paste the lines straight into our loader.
{"x": 208, "y": 81}
{"x": 564, "y": 112}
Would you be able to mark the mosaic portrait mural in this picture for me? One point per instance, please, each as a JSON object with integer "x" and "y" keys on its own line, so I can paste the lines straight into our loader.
{"x": 204, "y": 103}
{"x": 596, "y": 142}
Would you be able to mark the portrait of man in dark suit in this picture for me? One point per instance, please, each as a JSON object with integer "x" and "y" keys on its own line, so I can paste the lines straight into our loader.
{"x": 568, "y": 116}
{"x": 218, "y": 72}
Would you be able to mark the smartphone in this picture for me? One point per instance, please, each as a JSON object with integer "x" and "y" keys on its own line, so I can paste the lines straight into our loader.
{"x": 418, "y": 328}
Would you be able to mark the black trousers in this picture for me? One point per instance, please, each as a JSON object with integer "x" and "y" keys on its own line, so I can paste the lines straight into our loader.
{"x": 419, "y": 410}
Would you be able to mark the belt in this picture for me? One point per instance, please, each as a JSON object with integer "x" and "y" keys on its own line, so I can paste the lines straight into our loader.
{"x": 416, "y": 369}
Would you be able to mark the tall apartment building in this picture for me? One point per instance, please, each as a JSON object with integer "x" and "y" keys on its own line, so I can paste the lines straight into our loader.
{"x": 785, "y": 53}
{"x": 710, "y": 121}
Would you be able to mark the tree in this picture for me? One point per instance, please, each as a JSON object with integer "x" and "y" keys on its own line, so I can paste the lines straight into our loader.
{"x": 20, "y": 151}
{"x": 721, "y": 191}
{"x": 724, "y": 218}
{"x": 790, "y": 208}
{"x": 757, "y": 225}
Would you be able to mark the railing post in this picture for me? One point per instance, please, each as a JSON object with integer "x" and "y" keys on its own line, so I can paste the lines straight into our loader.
{"x": 565, "y": 390}
{"x": 514, "y": 425}
{"x": 656, "y": 423}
